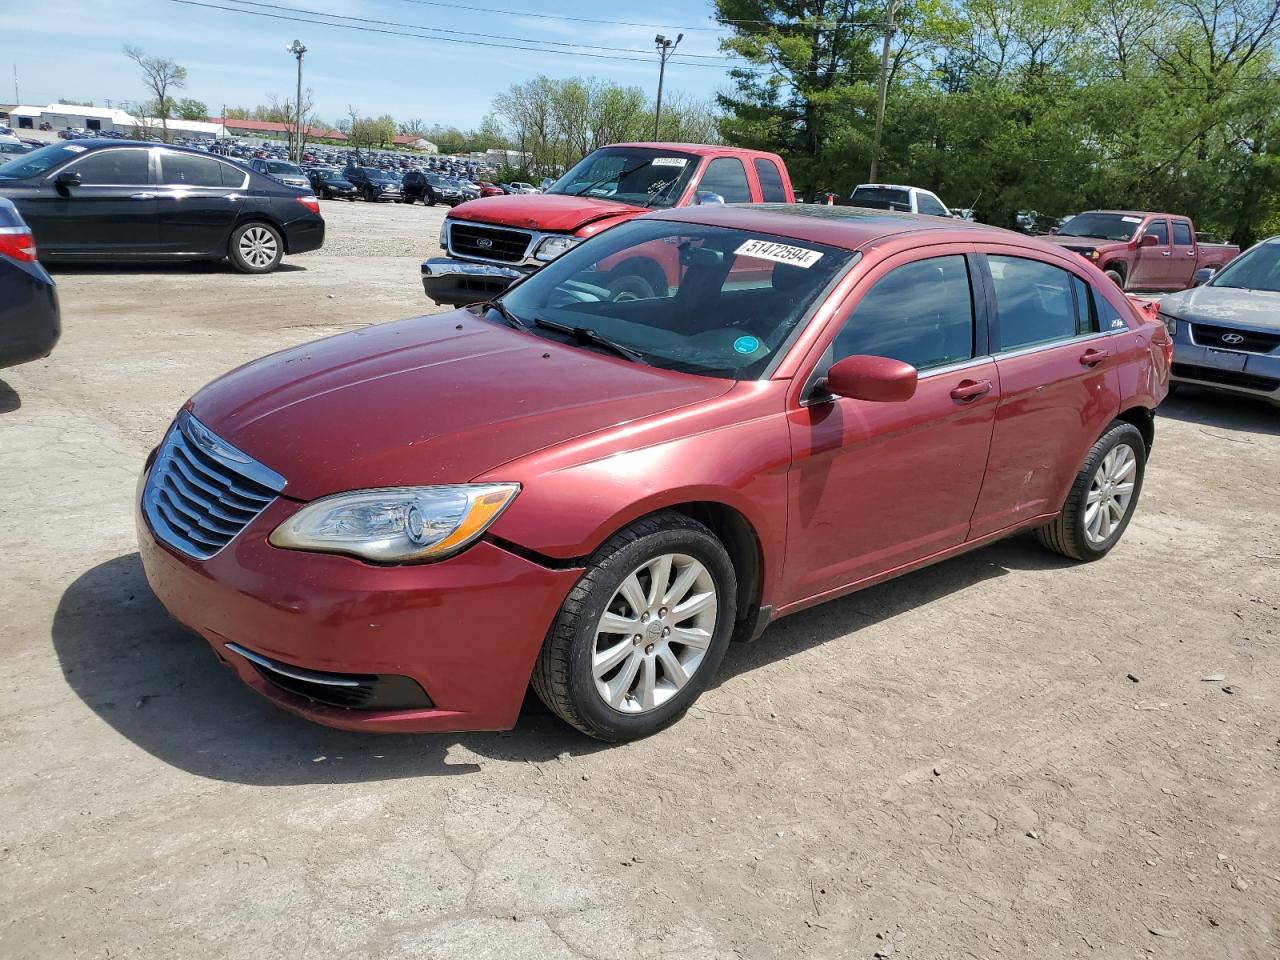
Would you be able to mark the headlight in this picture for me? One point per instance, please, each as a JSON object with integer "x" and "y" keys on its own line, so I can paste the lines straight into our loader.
{"x": 1170, "y": 323}
{"x": 552, "y": 247}
{"x": 397, "y": 524}
{"x": 444, "y": 235}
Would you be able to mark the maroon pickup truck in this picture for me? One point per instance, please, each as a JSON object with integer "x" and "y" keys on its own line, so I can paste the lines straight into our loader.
{"x": 1143, "y": 251}
{"x": 492, "y": 242}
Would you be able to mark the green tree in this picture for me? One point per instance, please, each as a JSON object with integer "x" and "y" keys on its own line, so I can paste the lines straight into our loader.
{"x": 188, "y": 109}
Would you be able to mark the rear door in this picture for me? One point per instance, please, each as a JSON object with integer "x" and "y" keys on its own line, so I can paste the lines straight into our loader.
{"x": 1059, "y": 385}
{"x": 112, "y": 211}
{"x": 1185, "y": 254}
{"x": 198, "y": 200}
{"x": 874, "y": 486}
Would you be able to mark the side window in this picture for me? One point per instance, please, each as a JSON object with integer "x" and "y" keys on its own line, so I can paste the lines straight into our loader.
{"x": 1182, "y": 233}
{"x": 931, "y": 206}
{"x": 1160, "y": 230}
{"x": 921, "y": 313}
{"x": 1086, "y": 318}
{"x": 727, "y": 177}
{"x": 771, "y": 188}
{"x": 187, "y": 170}
{"x": 115, "y": 168}
{"x": 1034, "y": 302}
{"x": 1108, "y": 316}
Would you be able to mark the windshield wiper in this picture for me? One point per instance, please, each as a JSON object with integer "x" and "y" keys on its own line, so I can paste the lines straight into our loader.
{"x": 512, "y": 320}
{"x": 587, "y": 335}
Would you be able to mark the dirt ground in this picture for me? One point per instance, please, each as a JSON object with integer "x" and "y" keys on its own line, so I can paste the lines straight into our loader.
{"x": 1006, "y": 755}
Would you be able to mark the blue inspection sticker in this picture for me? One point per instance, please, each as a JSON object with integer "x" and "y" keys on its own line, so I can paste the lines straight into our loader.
{"x": 746, "y": 344}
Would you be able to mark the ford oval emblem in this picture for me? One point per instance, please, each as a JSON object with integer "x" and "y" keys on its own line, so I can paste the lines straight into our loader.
{"x": 484, "y": 243}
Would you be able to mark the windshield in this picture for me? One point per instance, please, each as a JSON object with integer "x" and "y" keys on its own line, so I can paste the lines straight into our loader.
{"x": 698, "y": 299}
{"x": 1102, "y": 226}
{"x": 641, "y": 176}
{"x": 881, "y": 198}
{"x": 1258, "y": 269}
{"x": 279, "y": 166}
{"x": 333, "y": 175}
{"x": 38, "y": 161}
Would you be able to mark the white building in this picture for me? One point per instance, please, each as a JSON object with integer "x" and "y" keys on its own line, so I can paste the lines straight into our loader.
{"x": 60, "y": 116}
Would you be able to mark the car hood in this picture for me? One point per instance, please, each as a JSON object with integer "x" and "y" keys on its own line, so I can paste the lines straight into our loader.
{"x": 438, "y": 399}
{"x": 1226, "y": 306}
{"x": 541, "y": 211}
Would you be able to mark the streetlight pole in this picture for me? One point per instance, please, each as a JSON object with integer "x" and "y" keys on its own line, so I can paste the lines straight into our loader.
{"x": 297, "y": 49}
{"x": 889, "y": 28}
{"x": 665, "y": 49}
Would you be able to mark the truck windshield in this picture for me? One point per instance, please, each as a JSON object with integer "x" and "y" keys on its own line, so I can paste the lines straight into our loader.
{"x": 1259, "y": 269}
{"x": 881, "y": 198}
{"x": 705, "y": 300}
{"x": 1101, "y": 226}
{"x": 641, "y": 176}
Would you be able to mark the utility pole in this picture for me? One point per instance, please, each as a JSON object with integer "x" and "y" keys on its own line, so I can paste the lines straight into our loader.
{"x": 297, "y": 49}
{"x": 16, "y": 99}
{"x": 665, "y": 49}
{"x": 889, "y": 28}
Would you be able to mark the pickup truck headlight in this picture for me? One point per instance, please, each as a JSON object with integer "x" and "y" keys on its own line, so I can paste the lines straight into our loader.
{"x": 1170, "y": 322}
{"x": 444, "y": 235}
{"x": 553, "y": 247}
{"x": 397, "y": 524}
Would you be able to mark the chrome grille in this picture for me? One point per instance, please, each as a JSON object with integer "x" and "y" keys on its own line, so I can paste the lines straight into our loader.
{"x": 488, "y": 243}
{"x": 202, "y": 491}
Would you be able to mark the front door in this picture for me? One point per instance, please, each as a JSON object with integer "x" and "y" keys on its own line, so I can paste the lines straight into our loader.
{"x": 874, "y": 486}
{"x": 1059, "y": 386}
{"x": 198, "y": 201}
{"x": 111, "y": 211}
{"x": 1151, "y": 264}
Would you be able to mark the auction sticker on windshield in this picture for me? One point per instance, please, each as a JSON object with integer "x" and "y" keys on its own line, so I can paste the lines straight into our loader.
{"x": 669, "y": 161}
{"x": 779, "y": 253}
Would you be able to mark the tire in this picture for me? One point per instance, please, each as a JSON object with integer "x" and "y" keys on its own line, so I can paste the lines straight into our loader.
{"x": 1074, "y": 533}
{"x": 1116, "y": 277}
{"x": 429, "y": 199}
{"x": 563, "y": 676}
{"x": 255, "y": 247}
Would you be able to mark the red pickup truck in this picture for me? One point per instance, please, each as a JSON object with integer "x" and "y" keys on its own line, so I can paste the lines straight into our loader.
{"x": 1143, "y": 251}
{"x": 492, "y": 242}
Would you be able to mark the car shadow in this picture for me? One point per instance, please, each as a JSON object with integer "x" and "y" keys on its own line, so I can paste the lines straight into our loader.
{"x": 9, "y": 399}
{"x": 57, "y": 269}
{"x": 1225, "y": 411}
{"x": 163, "y": 689}
{"x": 838, "y": 618}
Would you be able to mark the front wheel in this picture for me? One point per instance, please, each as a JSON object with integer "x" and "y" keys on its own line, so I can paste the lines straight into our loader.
{"x": 1116, "y": 277}
{"x": 643, "y": 632}
{"x": 1102, "y": 498}
{"x": 256, "y": 248}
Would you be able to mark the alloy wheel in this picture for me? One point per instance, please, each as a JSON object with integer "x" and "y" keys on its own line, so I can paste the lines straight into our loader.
{"x": 1110, "y": 493}
{"x": 258, "y": 247}
{"x": 654, "y": 633}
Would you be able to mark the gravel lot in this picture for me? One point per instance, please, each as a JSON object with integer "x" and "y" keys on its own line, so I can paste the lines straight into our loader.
{"x": 1004, "y": 755}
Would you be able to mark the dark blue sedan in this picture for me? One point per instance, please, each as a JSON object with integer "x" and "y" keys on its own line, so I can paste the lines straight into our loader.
{"x": 29, "y": 322}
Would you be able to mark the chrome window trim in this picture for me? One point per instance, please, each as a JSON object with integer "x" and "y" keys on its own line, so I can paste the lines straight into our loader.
{"x": 1050, "y": 344}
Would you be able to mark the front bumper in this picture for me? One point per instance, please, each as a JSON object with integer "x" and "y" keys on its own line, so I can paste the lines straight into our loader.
{"x": 1238, "y": 372}
{"x": 466, "y": 630}
{"x": 456, "y": 283}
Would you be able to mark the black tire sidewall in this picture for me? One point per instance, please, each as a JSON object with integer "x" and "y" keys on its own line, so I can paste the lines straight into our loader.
{"x": 611, "y": 724}
{"x": 1125, "y": 433}
{"x": 233, "y": 252}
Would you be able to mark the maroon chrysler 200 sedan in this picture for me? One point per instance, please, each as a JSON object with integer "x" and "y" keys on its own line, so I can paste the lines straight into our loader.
{"x": 397, "y": 529}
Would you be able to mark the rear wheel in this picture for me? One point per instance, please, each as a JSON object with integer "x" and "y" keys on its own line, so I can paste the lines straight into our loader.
{"x": 1102, "y": 498}
{"x": 256, "y": 247}
{"x": 643, "y": 632}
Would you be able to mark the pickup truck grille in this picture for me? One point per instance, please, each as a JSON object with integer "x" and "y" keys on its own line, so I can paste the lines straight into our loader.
{"x": 1225, "y": 338}
{"x": 488, "y": 243}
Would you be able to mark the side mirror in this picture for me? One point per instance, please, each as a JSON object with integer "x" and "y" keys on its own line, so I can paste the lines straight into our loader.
{"x": 66, "y": 180}
{"x": 1203, "y": 276}
{"x": 1149, "y": 240}
{"x": 706, "y": 196}
{"x": 872, "y": 378}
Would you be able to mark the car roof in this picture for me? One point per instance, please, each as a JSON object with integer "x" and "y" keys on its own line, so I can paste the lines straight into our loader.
{"x": 891, "y": 186}
{"x": 851, "y": 228}
{"x": 1137, "y": 213}
{"x": 702, "y": 149}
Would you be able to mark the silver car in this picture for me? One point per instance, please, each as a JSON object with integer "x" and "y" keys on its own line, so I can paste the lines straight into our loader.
{"x": 1226, "y": 332}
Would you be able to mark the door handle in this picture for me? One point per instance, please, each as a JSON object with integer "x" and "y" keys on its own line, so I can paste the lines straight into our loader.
{"x": 142, "y": 196}
{"x": 1092, "y": 357}
{"x": 966, "y": 391}
{"x": 1164, "y": 253}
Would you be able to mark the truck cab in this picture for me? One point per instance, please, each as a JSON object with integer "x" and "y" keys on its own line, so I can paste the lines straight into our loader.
{"x": 489, "y": 243}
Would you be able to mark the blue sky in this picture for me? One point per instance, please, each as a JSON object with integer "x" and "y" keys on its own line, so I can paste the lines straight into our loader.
{"x": 71, "y": 48}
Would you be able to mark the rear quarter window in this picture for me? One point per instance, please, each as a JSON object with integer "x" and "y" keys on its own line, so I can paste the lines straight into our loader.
{"x": 771, "y": 188}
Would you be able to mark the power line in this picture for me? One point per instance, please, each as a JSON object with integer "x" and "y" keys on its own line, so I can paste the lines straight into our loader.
{"x": 462, "y": 33}
{"x": 419, "y": 36}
